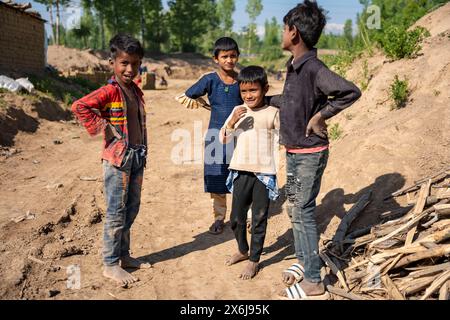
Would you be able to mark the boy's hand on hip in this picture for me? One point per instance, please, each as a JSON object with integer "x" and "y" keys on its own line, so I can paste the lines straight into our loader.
{"x": 318, "y": 126}
{"x": 238, "y": 114}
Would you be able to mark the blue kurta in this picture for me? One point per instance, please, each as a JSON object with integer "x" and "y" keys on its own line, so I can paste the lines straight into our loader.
{"x": 222, "y": 98}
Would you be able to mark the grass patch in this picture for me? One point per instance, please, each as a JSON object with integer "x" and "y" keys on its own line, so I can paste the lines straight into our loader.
{"x": 399, "y": 93}
{"x": 341, "y": 62}
{"x": 3, "y": 103}
{"x": 365, "y": 76}
{"x": 335, "y": 132}
{"x": 65, "y": 90}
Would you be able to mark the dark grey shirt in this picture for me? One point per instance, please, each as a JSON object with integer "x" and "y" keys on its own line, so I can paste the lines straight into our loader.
{"x": 310, "y": 87}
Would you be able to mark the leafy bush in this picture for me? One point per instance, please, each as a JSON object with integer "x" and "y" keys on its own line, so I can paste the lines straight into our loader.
{"x": 271, "y": 53}
{"x": 399, "y": 92}
{"x": 63, "y": 89}
{"x": 400, "y": 43}
{"x": 342, "y": 61}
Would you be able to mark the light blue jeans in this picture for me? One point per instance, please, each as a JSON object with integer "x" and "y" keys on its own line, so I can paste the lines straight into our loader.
{"x": 123, "y": 197}
{"x": 304, "y": 175}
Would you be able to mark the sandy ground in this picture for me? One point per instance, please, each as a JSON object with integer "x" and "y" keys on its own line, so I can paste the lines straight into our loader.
{"x": 170, "y": 230}
{"x": 47, "y": 163}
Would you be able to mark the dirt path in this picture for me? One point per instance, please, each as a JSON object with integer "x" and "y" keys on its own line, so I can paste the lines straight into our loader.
{"x": 170, "y": 230}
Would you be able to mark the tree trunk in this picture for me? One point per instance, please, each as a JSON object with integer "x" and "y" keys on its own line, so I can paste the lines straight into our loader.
{"x": 142, "y": 23}
{"x": 52, "y": 23}
{"x": 102, "y": 30}
{"x": 116, "y": 18}
{"x": 58, "y": 19}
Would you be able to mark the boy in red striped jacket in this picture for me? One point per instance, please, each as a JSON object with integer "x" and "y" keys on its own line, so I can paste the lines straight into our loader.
{"x": 117, "y": 110}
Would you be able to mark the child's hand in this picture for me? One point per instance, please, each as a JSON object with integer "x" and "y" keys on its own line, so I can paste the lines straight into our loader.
{"x": 318, "y": 126}
{"x": 238, "y": 114}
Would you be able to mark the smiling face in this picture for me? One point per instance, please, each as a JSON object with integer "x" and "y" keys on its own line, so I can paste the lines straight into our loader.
{"x": 227, "y": 59}
{"x": 253, "y": 94}
{"x": 125, "y": 67}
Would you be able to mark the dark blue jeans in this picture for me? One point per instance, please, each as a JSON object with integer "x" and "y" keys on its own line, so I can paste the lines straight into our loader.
{"x": 123, "y": 197}
{"x": 304, "y": 175}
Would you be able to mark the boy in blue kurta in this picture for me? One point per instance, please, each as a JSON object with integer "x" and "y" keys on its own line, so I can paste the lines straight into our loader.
{"x": 223, "y": 95}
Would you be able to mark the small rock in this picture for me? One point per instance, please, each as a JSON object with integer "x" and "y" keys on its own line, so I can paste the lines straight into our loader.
{"x": 36, "y": 161}
{"x": 52, "y": 293}
{"x": 54, "y": 186}
{"x": 46, "y": 228}
{"x": 94, "y": 217}
{"x": 27, "y": 216}
{"x": 57, "y": 141}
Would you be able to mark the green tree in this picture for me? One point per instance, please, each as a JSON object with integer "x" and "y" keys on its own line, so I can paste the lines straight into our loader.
{"x": 82, "y": 33}
{"x": 189, "y": 21}
{"x": 225, "y": 9}
{"x": 348, "y": 32}
{"x": 271, "y": 46}
{"x": 253, "y": 8}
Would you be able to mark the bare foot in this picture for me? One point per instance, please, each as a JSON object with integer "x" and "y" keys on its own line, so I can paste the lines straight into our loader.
{"x": 237, "y": 257}
{"x": 250, "y": 270}
{"x": 289, "y": 278}
{"x": 130, "y": 262}
{"x": 119, "y": 275}
{"x": 310, "y": 288}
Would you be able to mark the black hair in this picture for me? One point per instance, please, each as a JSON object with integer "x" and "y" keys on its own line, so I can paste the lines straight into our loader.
{"x": 125, "y": 43}
{"x": 309, "y": 19}
{"x": 253, "y": 74}
{"x": 225, "y": 44}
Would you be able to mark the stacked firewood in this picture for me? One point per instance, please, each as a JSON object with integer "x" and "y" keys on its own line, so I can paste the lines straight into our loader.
{"x": 406, "y": 256}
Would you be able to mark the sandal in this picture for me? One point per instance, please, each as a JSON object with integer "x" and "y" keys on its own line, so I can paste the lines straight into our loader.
{"x": 217, "y": 227}
{"x": 296, "y": 292}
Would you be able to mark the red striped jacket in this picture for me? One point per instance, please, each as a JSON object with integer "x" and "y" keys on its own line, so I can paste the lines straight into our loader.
{"x": 105, "y": 107}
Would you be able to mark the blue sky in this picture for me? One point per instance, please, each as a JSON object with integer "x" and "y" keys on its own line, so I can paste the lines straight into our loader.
{"x": 338, "y": 12}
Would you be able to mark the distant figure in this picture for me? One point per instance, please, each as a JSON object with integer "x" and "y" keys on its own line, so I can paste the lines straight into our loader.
{"x": 168, "y": 70}
{"x": 117, "y": 111}
{"x": 163, "y": 82}
{"x": 279, "y": 76}
{"x": 143, "y": 69}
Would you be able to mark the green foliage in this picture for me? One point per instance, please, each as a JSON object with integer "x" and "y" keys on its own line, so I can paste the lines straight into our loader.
{"x": 335, "y": 132}
{"x": 396, "y": 17}
{"x": 3, "y": 103}
{"x": 188, "y": 21}
{"x": 271, "y": 46}
{"x": 63, "y": 89}
{"x": 348, "y": 32}
{"x": 365, "y": 76}
{"x": 253, "y": 9}
{"x": 341, "y": 62}
{"x": 225, "y": 9}
{"x": 399, "y": 92}
{"x": 400, "y": 43}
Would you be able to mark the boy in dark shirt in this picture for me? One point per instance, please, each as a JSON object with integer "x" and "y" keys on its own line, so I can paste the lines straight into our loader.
{"x": 312, "y": 93}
